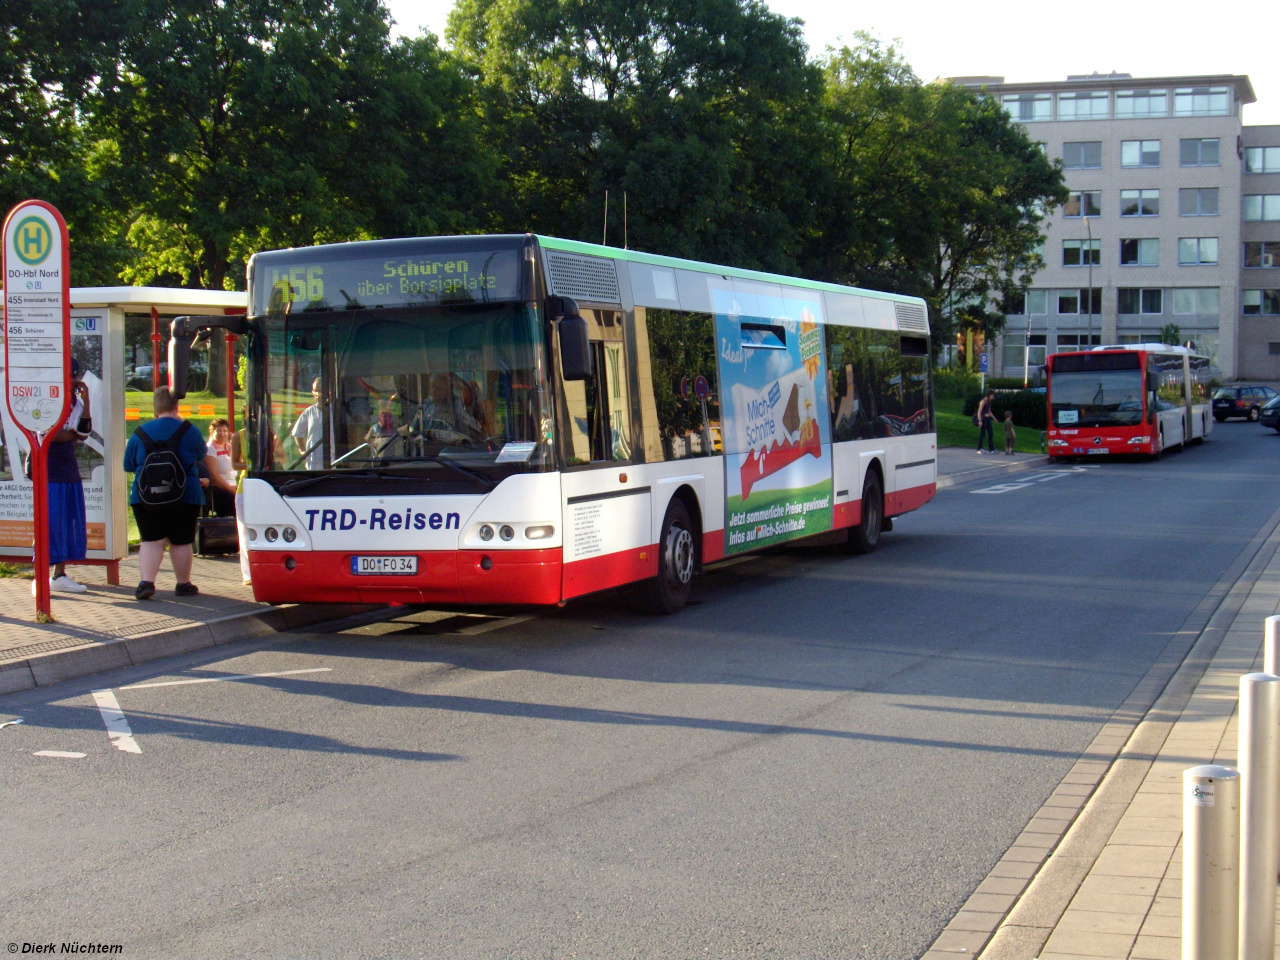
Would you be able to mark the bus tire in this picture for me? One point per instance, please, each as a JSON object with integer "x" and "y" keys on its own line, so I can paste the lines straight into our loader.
{"x": 669, "y": 591}
{"x": 865, "y": 537}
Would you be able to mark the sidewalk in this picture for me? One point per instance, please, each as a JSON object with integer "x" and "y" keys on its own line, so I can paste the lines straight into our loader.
{"x": 107, "y": 628}
{"x": 1098, "y": 872}
{"x": 957, "y": 465}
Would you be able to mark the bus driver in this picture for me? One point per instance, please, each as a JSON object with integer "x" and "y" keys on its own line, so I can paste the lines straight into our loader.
{"x": 444, "y": 416}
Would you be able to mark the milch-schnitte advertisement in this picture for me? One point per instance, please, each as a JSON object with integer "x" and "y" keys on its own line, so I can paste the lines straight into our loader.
{"x": 777, "y": 424}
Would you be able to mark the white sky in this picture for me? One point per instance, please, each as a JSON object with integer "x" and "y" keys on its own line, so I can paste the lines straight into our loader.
{"x": 1024, "y": 41}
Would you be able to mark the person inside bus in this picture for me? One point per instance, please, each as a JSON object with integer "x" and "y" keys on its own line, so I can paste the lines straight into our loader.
{"x": 308, "y": 431}
{"x": 443, "y": 413}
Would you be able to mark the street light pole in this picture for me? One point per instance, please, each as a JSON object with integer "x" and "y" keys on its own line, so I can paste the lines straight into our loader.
{"x": 1089, "y": 253}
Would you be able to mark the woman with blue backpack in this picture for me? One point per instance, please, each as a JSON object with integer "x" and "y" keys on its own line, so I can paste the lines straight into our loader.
{"x": 167, "y": 496}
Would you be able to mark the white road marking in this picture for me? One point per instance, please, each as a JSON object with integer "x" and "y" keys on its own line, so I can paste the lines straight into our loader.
{"x": 239, "y": 676}
{"x": 63, "y": 754}
{"x": 10, "y": 723}
{"x": 114, "y": 718}
{"x": 1031, "y": 480}
{"x": 496, "y": 624}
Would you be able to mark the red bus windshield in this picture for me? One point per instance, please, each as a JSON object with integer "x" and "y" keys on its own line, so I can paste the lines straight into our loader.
{"x": 1096, "y": 390}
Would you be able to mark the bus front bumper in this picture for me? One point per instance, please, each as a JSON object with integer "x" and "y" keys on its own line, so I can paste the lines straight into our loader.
{"x": 446, "y": 576}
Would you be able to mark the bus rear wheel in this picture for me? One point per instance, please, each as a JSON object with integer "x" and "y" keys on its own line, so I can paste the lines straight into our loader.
{"x": 865, "y": 537}
{"x": 669, "y": 591}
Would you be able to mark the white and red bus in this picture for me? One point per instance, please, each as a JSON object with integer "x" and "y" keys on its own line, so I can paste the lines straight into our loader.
{"x": 1138, "y": 398}
{"x": 521, "y": 419}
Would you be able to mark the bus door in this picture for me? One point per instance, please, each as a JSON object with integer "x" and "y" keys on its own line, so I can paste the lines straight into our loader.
{"x": 607, "y": 507}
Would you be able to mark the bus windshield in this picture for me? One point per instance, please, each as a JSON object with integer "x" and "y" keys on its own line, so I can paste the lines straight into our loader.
{"x": 448, "y": 391}
{"x": 1096, "y": 398}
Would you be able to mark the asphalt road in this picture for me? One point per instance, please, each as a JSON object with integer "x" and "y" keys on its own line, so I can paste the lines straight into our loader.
{"x": 822, "y": 758}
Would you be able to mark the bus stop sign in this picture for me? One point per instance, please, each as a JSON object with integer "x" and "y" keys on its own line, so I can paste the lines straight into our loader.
{"x": 37, "y": 334}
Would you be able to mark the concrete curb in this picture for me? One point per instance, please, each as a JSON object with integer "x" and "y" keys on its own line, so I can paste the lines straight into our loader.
{"x": 92, "y": 657}
{"x": 984, "y": 473}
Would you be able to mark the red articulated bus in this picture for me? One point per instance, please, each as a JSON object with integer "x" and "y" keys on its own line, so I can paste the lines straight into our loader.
{"x": 1139, "y": 398}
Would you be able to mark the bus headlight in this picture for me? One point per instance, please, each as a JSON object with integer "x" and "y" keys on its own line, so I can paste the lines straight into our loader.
{"x": 539, "y": 533}
{"x": 505, "y": 532}
{"x": 1135, "y": 440}
{"x": 272, "y": 534}
{"x": 486, "y": 532}
{"x": 1058, "y": 443}
{"x": 253, "y": 534}
{"x": 290, "y": 534}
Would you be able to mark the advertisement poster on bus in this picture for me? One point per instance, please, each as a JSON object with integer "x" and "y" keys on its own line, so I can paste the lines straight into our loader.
{"x": 16, "y": 531}
{"x": 777, "y": 423}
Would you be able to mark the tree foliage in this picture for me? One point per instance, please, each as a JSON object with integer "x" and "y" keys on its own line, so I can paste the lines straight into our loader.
{"x": 936, "y": 191}
{"x": 179, "y": 136}
{"x": 699, "y": 112}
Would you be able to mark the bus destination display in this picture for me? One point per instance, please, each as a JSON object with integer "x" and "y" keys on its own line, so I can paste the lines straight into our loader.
{"x": 291, "y": 284}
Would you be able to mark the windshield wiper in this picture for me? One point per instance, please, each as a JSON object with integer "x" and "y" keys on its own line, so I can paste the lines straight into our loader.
{"x": 451, "y": 464}
{"x": 428, "y": 458}
{"x": 302, "y": 483}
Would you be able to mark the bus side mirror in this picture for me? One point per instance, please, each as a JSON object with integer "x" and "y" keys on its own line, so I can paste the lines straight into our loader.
{"x": 179, "y": 365}
{"x": 575, "y": 343}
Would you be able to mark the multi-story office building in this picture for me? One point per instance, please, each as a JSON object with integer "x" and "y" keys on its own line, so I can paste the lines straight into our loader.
{"x": 1173, "y": 218}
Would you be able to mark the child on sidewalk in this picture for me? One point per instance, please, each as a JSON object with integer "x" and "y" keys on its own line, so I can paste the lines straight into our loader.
{"x": 1010, "y": 434}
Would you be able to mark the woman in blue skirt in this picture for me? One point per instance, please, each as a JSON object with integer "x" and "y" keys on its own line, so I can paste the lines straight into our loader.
{"x": 66, "y": 492}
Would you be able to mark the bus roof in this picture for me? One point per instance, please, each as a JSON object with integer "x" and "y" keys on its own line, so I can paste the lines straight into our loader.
{"x": 676, "y": 263}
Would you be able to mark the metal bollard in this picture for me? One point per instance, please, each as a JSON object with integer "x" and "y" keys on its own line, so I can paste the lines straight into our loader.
{"x": 1210, "y": 863}
{"x": 1271, "y": 646}
{"x": 1259, "y": 824}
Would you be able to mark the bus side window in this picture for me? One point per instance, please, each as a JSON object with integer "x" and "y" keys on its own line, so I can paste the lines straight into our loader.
{"x": 600, "y": 408}
{"x": 678, "y": 375}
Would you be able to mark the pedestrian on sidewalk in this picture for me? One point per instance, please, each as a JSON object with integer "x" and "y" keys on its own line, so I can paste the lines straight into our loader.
{"x": 67, "y": 539}
{"x": 170, "y": 523}
{"x": 1010, "y": 434}
{"x": 986, "y": 422}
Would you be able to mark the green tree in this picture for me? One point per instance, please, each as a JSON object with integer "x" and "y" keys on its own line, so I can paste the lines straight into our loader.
{"x": 1171, "y": 335}
{"x": 51, "y": 55}
{"x": 244, "y": 124}
{"x": 935, "y": 191}
{"x": 700, "y": 113}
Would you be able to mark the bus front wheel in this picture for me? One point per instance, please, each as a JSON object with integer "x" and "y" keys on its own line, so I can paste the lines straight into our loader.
{"x": 865, "y": 537}
{"x": 677, "y": 561}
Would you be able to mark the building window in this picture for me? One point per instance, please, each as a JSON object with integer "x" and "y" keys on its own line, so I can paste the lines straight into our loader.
{"x": 1077, "y": 301}
{"x": 1260, "y": 206}
{"x": 1196, "y": 250}
{"x": 1140, "y": 253}
{"x": 1070, "y": 341}
{"x": 1201, "y": 101}
{"x": 1084, "y": 105}
{"x": 1198, "y": 202}
{"x": 1014, "y": 349}
{"x": 1139, "y": 153}
{"x": 1262, "y": 303}
{"x": 1142, "y": 103}
{"x": 1261, "y": 253}
{"x": 1262, "y": 160}
{"x": 1190, "y": 301}
{"x": 1082, "y": 155}
{"x": 1029, "y": 107}
{"x": 1083, "y": 203}
{"x": 1139, "y": 203}
{"x": 1198, "y": 153}
{"x": 1273, "y": 348}
{"x": 1037, "y": 302}
{"x": 1081, "y": 253}
{"x": 1135, "y": 300}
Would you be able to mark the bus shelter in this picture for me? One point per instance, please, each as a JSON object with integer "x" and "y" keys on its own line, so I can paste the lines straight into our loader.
{"x": 98, "y": 318}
